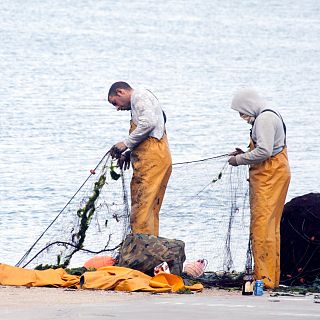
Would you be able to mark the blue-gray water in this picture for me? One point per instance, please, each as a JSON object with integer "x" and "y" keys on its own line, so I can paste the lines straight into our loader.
{"x": 58, "y": 59}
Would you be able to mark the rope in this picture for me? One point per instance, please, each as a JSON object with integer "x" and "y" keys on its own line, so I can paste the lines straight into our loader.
{"x": 205, "y": 159}
{"x": 62, "y": 243}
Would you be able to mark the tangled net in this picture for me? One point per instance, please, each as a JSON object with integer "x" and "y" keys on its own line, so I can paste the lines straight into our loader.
{"x": 206, "y": 204}
{"x": 300, "y": 241}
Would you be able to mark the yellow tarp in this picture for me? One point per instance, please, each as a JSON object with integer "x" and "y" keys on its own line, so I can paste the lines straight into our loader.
{"x": 106, "y": 278}
{"x": 14, "y": 276}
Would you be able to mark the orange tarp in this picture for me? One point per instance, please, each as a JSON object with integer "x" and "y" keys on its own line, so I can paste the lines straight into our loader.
{"x": 14, "y": 276}
{"x": 107, "y": 278}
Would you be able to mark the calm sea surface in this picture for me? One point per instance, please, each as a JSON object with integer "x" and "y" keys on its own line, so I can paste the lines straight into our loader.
{"x": 58, "y": 59}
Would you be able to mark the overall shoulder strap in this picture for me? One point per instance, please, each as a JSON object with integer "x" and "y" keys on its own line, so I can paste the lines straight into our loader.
{"x": 164, "y": 115}
{"x": 283, "y": 124}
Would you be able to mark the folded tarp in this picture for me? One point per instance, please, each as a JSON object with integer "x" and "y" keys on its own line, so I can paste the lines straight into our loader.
{"x": 106, "y": 278}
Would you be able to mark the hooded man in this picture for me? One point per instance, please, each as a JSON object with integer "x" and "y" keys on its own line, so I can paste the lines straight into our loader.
{"x": 147, "y": 148}
{"x": 269, "y": 178}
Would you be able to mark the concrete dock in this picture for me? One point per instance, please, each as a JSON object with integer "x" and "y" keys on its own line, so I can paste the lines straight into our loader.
{"x": 51, "y": 303}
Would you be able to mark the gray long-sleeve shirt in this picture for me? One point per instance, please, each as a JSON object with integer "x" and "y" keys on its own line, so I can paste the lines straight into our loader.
{"x": 267, "y": 132}
{"x": 147, "y": 115}
{"x": 268, "y": 137}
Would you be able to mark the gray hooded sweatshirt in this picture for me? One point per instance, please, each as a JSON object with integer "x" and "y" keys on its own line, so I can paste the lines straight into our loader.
{"x": 267, "y": 132}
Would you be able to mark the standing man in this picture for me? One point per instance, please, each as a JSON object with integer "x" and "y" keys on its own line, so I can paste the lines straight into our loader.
{"x": 269, "y": 176}
{"x": 148, "y": 150}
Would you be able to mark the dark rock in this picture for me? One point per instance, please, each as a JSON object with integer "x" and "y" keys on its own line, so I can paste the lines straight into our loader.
{"x": 144, "y": 252}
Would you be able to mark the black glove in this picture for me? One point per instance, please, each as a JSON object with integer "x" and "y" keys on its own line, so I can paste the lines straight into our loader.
{"x": 117, "y": 149}
{"x": 115, "y": 152}
{"x": 124, "y": 161}
{"x": 234, "y": 153}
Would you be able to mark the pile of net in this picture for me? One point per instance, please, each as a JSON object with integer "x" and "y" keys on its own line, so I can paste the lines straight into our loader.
{"x": 300, "y": 242}
{"x": 217, "y": 279}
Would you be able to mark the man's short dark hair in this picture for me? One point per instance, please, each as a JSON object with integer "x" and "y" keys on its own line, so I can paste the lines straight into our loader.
{"x": 118, "y": 85}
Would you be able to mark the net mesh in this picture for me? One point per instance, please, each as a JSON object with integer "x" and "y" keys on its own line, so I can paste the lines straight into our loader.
{"x": 206, "y": 206}
{"x": 94, "y": 221}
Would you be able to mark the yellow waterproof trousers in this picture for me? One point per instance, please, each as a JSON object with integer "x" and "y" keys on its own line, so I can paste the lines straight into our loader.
{"x": 152, "y": 166}
{"x": 269, "y": 182}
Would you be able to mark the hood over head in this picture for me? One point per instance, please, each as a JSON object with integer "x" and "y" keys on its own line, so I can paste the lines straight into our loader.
{"x": 248, "y": 102}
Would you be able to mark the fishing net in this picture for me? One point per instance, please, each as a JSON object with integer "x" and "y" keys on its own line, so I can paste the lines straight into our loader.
{"x": 206, "y": 206}
{"x": 300, "y": 241}
{"x": 94, "y": 221}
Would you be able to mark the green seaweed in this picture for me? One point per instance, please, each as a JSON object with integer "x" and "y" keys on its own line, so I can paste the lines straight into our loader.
{"x": 78, "y": 271}
{"x": 46, "y": 266}
{"x": 218, "y": 178}
{"x": 73, "y": 271}
{"x": 184, "y": 291}
{"x": 85, "y": 214}
{"x": 114, "y": 175}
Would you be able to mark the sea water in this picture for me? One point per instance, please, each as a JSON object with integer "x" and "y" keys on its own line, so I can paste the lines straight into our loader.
{"x": 58, "y": 59}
